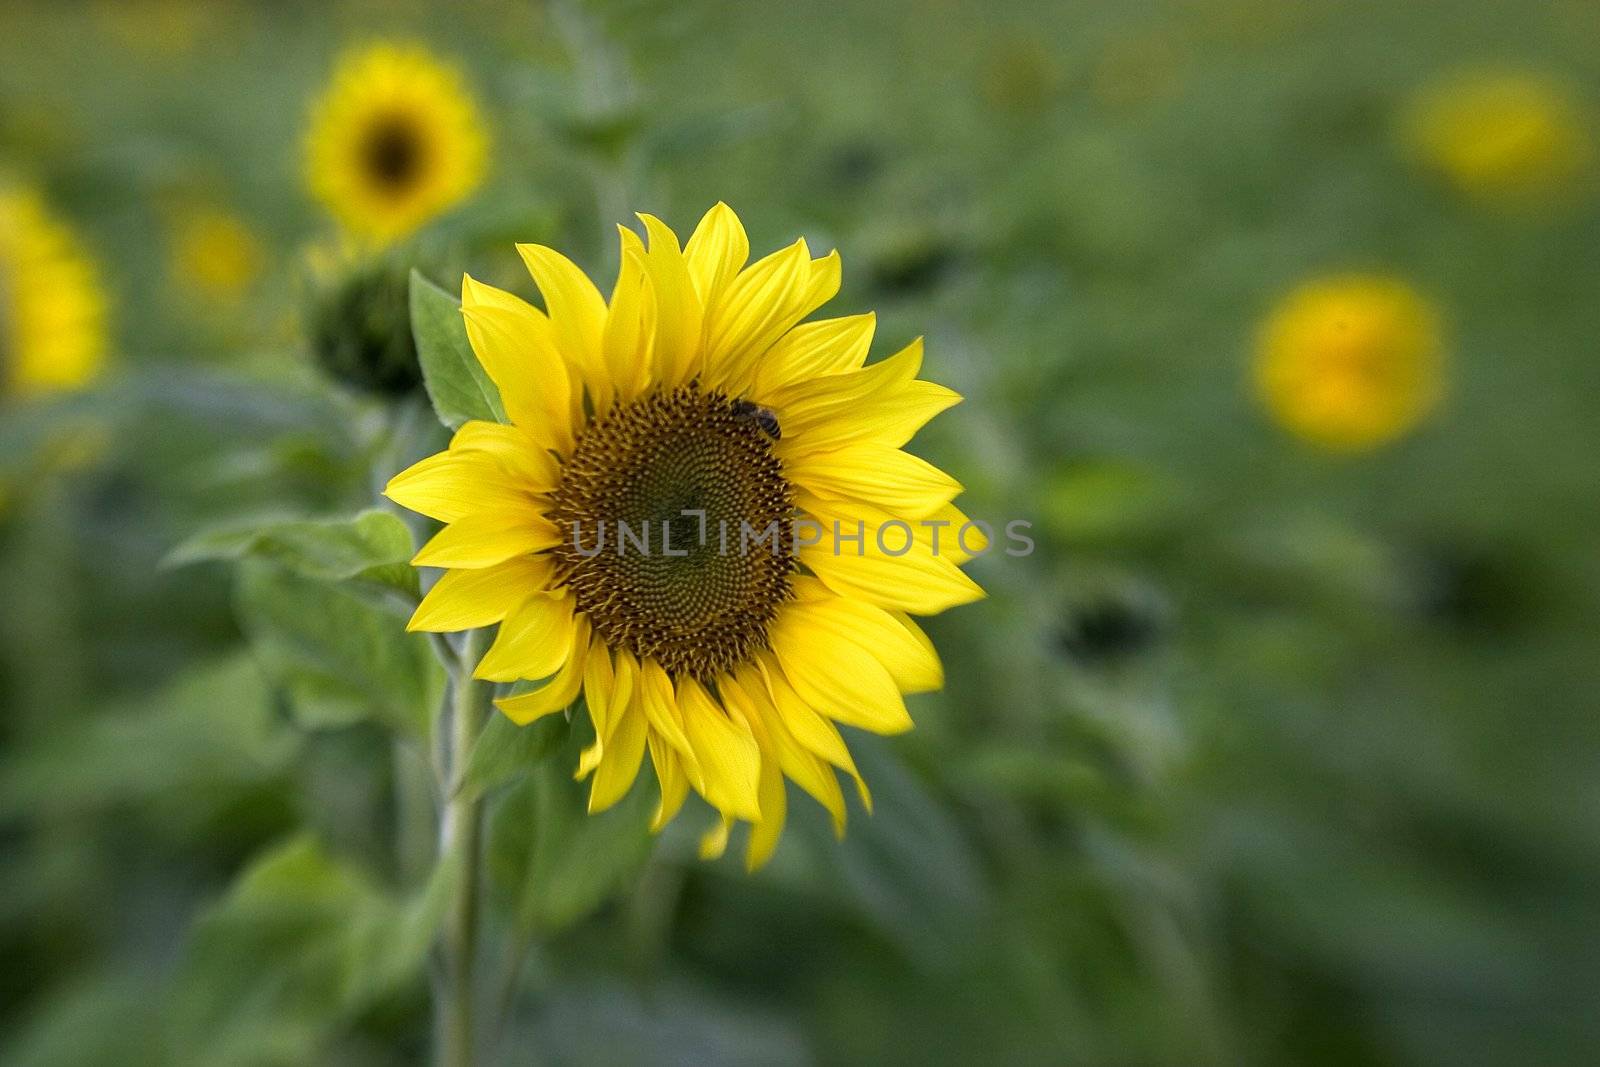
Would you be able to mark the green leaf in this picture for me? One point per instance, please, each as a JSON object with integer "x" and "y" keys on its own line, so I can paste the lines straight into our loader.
{"x": 203, "y": 741}
{"x": 455, "y": 380}
{"x": 372, "y": 549}
{"x": 340, "y": 659}
{"x": 504, "y": 750}
{"x": 300, "y": 945}
{"x": 555, "y": 861}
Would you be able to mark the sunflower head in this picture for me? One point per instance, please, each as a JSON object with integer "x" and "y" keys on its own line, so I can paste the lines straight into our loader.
{"x": 395, "y": 140}
{"x": 658, "y": 526}
{"x": 1350, "y": 363}
{"x": 1500, "y": 135}
{"x": 52, "y": 306}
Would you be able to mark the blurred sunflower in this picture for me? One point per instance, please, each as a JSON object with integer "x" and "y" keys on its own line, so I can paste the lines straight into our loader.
{"x": 395, "y": 140}
{"x": 1350, "y": 362}
{"x": 696, "y": 389}
{"x": 52, "y": 306}
{"x": 1500, "y": 135}
{"x": 216, "y": 254}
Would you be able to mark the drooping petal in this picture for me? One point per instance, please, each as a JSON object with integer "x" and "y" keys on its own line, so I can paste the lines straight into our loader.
{"x": 910, "y": 661}
{"x": 619, "y": 764}
{"x": 559, "y": 692}
{"x": 725, "y": 750}
{"x": 807, "y": 726}
{"x": 533, "y": 642}
{"x": 838, "y": 678}
{"x": 674, "y": 783}
{"x": 748, "y": 693}
{"x": 466, "y": 599}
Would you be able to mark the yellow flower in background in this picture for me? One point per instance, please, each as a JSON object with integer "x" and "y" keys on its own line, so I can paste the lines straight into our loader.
{"x": 216, "y": 254}
{"x": 1350, "y": 362}
{"x": 52, "y": 306}
{"x": 697, "y": 387}
{"x": 1500, "y": 135}
{"x": 395, "y": 141}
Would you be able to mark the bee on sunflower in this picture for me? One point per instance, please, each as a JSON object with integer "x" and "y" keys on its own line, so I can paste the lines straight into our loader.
{"x": 696, "y": 400}
{"x": 394, "y": 141}
{"x": 53, "y": 333}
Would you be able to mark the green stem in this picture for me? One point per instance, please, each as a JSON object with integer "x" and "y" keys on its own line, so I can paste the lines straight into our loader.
{"x": 460, "y": 833}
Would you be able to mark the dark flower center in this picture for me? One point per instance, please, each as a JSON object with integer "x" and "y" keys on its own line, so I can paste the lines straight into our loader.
{"x": 392, "y": 153}
{"x": 695, "y": 593}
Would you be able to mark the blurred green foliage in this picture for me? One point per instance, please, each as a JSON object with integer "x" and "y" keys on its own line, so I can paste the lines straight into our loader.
{"x": 1263, "y": 757}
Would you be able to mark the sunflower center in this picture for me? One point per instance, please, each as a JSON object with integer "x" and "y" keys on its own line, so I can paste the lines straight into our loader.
{"x": 674, "y": 514}
{"x": 391, "y": 152}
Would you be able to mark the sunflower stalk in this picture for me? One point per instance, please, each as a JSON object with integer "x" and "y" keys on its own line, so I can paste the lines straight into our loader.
{"x": 460, "y": 841}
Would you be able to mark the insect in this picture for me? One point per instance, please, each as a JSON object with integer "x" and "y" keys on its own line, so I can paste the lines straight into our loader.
{"x": 746, "y": 411}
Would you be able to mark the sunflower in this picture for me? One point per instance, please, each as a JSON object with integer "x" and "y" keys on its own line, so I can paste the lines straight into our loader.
{"x": 1350, "y": 362}
{"x": 395, "y": 140}
{"x": 215, "y": 254}
{"x": 697, "y": 407}
{"x": 52, "y": 306}
{"x": 1501, "y": 135}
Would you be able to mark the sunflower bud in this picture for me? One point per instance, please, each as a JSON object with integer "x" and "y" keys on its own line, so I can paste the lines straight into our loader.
{"x": 359, "y": 323}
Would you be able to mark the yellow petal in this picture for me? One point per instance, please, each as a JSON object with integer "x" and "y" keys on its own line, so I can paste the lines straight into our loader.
{"x": 809, "y": 729}
{"x": 815, "y": 350}
{"x": 514, "y": 342}
{"x": 577, "y": 311}
{"x": 894, "y": 565}
{"x": 678, "y": 310}
{"x": 452, "y": 485}
{"x": 466, "y": 599}
{"x": 619, "y": 765}
{"x": 748, "y": 692}
{"x": 716, "y": 252}
{"x": 533, "y": 641}
{"x": 725, "y": 750}
{"x": 714, "y": 842}
{"x": 629, "y": 343}
{"x": 764, "y": 833}
{"x": 665, "y": 715}
{"x": 542, "y": 407}
{"x": 484, "y": 539}
{"x": 909, "y": 657}
{"x": 556, "y": 694}
{"x": 905, "y": 485}
{"x": 517, "y": 453}
{"x": 674, "y": 783}
{"x": 834, "y": 675}
{"x": 757, "y": 308}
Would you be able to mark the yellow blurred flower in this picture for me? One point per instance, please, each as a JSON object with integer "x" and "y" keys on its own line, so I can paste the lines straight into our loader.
{"x": 1500, "y": 135}
{"x": 215, "y": 254}
{"x": 52, "y": 306}
{"x": 1350, "y": 362}
{"x": 394, "y": 141}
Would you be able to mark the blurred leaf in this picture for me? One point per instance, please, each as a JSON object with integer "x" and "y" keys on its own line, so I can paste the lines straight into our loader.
{"x": 557, "y": 862}
{"x": 373, "y": 548}
{"x": 456, "y": 382}
{"x": 105, "y": 1019}
{"x": 1107, "y": 500}
{"x": 300, "y": 944}
{"x": 340, "y": 659}
{"x": 504, "y": 750}
{"x": 207, "y": 734}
